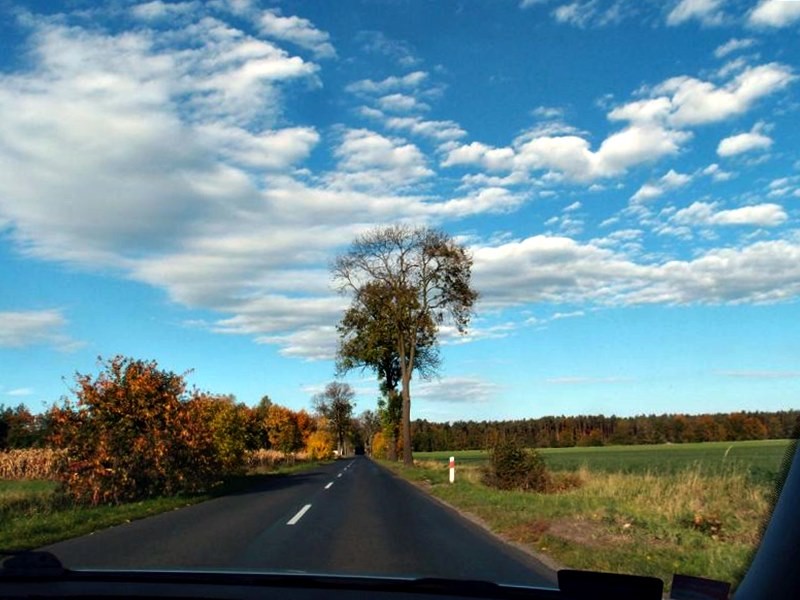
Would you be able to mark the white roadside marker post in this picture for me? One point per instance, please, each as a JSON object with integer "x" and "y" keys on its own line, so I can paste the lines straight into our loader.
{"x": 452, "y": 469}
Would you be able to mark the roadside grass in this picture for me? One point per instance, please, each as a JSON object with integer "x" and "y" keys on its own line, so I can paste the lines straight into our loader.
{"x": 700, "y": 520}
{"x": 34, "y": 514}
{"x": 761, "y": 458}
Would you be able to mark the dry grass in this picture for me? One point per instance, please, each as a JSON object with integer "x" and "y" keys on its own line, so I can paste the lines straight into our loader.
{"x": 264, "y": 461}
{"x": 32, "y": 463}
{"x": 695, "y": 521}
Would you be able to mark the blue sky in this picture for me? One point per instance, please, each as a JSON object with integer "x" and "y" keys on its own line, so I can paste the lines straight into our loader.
{"x": 176, "y": 177}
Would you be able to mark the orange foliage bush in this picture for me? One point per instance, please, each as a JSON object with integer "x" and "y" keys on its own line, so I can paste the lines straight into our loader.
{"x": 132, "y": 435}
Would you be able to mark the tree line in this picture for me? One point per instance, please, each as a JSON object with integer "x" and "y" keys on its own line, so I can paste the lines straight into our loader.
{"x": 600, "y": 430}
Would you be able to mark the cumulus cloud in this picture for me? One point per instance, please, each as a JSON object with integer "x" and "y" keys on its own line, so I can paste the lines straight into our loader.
{"x": 707, "y": 12}
{"x": 19, "y": 329}
{"x": 670, "y": 181}
{"x": 410, "y": 81}
{"x": 685, "y": 101}
{"x": 369, "y": 160}
{"x": 562, "y": 270}
{"x": 97, "y": 119}
{"x": 157, "y": 10}
{"x": 706, "y": 213}
{"x": 775, "y": 13}
{"x": 716, "y": 173}
{"x": 744, "y": 142}
{"x": 401, "y": 103}
{"x": 296, "y": 30}
{"x": 572, "y": 155}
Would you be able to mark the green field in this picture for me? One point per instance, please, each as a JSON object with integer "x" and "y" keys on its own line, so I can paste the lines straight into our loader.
{"x": 761, "y": 458}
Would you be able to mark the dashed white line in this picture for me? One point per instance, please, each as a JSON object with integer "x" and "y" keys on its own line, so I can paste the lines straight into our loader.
{"x": 329, "y": 485}
{"x": 299, "y": 515}
{"x": 339, "y": 475}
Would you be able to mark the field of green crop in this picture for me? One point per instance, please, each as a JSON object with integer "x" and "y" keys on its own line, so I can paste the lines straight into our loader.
{"x": 761, "y": 459}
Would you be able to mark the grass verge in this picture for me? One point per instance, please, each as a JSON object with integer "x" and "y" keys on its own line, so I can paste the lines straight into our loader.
{"x": 695, "y": 521}
{"x": 33, "y": 514}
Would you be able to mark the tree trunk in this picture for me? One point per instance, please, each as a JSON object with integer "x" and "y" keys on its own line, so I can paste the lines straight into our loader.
{"x": 391, "y": 447}
{"x": 408, "y": 458}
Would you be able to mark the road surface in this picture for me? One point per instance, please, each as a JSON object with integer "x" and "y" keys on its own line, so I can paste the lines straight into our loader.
{"x": 348, "y": 517}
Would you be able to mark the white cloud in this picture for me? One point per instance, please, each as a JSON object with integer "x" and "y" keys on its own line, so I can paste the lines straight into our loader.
{"x": 157, "y": 10}
{"x": 548, "y": 112}
{"x": 733, "y": 45}
{"x": 562, "y": 270}
{"x": 572, "y": 207}
{"x": 685, "y": 101}
{"x": 19, "y": 329}
{"x": 441, "y": 131}
{"x": 296, "y": 30}
{"x": 620, "y": 151}
{"x": 411, "y": 81}
{"x": 376, "y": 42}
{"x": 670, "y": 181}
{"x": 594, "y": 13}
{"x": 401, "y": 103}
{"x": 272, "y": 149}
{"x": 368, "y": 160}
{"x": 96, "y": 118}
{"x": 457, "y": 389}
{"x": 483, "y": 201}
{"x": 705, "y": 213}
{"x": 708, "y": 12}
{"x": 695, "y": 102}
{"x": 775, "y": 13}
{"x": 19, "y": 392}
{"x": 744, "y": 142}
{"x": 761, "y": 374}
{"x": 716, "y": 173}
{"x": 572, "y": 155}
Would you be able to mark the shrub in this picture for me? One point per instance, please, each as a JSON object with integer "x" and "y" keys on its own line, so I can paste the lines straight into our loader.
{"x": 319, "y": 445}
{"x": 513, "y": 467}
{"x": 132, "y": 435}
{"x": 228, "y": 423}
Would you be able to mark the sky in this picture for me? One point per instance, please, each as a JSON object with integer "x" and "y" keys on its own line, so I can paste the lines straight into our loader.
{"x": 176, "y": 178}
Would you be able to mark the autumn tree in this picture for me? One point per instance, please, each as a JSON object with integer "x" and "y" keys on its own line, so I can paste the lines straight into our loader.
{"x": 335, "y": 404}
{"x": 408, "y": 281}
{"x": 369, "y": 342}
{"x": 370, "y": 423}
{"x": 283, "y": 429}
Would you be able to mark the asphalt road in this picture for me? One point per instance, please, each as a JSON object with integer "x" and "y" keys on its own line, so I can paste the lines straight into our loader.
{"x": 348, "y": 517}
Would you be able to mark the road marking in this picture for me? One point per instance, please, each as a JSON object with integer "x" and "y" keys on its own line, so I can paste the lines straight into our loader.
{"x": 339, "y": 475}
{"x": 299, "y": 515}
{"x": 329, "y": 485}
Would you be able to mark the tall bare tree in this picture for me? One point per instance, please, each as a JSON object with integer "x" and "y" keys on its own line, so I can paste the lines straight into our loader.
{"x": 414, "y": 279}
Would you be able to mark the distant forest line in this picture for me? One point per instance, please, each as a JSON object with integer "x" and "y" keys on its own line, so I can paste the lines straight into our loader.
{"x": 599, "y": 430}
